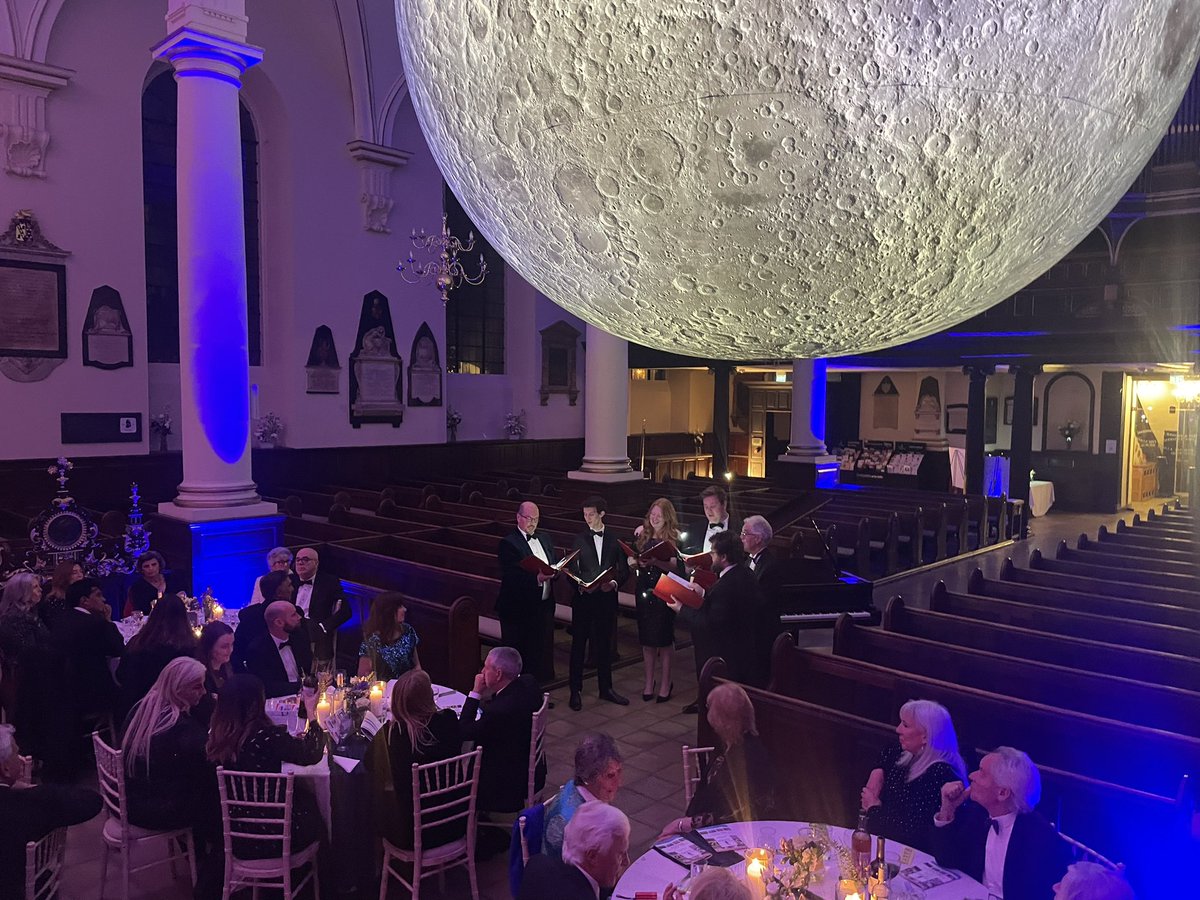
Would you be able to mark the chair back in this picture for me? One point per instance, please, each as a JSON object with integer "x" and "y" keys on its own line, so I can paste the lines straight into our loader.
{"x": 43, "y": 864}
{"x": 444, "y": 792}
{"x": 1084, "y": 852}
{"x": 694, "y": 760}
{"x": 537, "y": 748}
{"x": 256, "y": 809}
{"x": 110, "y": 773}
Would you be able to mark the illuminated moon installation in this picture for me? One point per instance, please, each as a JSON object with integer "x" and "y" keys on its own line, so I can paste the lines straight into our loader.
{"x": 773, "y": 178}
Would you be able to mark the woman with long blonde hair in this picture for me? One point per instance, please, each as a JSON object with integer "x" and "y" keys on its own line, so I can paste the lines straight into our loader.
{"x": 656, "y": 620}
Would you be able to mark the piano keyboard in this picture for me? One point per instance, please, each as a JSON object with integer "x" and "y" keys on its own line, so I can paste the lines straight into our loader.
{"x": 824, "y": 618}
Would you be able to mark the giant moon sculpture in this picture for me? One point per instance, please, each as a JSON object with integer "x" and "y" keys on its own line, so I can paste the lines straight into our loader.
{"x": 790, "y": 178}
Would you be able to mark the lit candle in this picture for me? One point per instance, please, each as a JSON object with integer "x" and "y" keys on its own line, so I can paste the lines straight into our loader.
{"x": 218, "y": 611}
{"x": 757, "y": 861}
{"x": 196, "y": 631}
{"x": 377, "y": 699}
{"x": 323, "y": 709}
{"x": 848, "y": 889}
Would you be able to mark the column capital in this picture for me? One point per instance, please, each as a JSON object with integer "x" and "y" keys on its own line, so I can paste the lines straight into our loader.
{"x": 193, "y": 52}
{"x": 1026, "y": 368}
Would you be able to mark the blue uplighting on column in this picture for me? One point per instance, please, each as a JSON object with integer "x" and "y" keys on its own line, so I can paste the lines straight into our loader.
{"x": 227, "y": 555}
{"x": 221, "y": 365}
{"x": 817, "y": 413}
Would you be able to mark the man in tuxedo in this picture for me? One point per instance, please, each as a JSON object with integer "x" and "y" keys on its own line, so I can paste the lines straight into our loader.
{"x": 760, "y": 559}
{"x": 594, "y": 609}
{"x": 997, "y": 838}
{"x": 275, "y": 585}
{"x": 726, "y": 623}
{"x": 594, "y": 853}
{"x": 525, "y": 604}
{"x": 319, "y": 598}
{"x": 503, "y": 730}
{"x": 716, "y": 519}
{"x": 281, "y": 657}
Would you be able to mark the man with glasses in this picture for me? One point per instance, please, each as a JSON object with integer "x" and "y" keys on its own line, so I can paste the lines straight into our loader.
{"x": 319, "y": 597}
{"x": 525, "y": 604}
{"x": 756, "y": 536}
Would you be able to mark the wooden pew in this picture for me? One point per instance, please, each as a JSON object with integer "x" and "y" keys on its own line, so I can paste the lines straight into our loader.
{"x": 1052, "y": 573}
{"x": 824, "y": 756}
{"x": 1135, "y": 756}
{"x": 1155, "y": 706}
{"x": 1114, "y": 546}
{"x": 1115, "y": 573}
{"x": 1142, "y": 541}
{"x": 1025, "y": 643}
{"x": 1079, "y": 601}
{"x": 1101, "y": 557}
{"x": 1129, "y": 632}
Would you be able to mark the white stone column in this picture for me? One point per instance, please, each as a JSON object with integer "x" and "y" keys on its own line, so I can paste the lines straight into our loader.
{"x": 206, "y": 47}
{"x": 606, "y": 410}
{"x": 806, "y": 444}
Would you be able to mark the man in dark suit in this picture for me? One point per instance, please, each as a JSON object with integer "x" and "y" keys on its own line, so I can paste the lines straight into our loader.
{"x": 503, "y": 730}
{"x": 716, "y": 519}
{"x": 281, "y": 657}
{"x": 726, "y": 623}
{"x": 594, "y": 853}
{"x": 594, "y": 610}
{"x": 525, "y": 604}
{"x": 251, "y": 626}
{"x": 760, "y": 559}
{"x": 319, "y": 598}
{"x": 998, "y": 839}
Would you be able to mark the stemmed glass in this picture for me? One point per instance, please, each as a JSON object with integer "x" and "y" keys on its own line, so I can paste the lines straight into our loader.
{"x": 323, "y": 669}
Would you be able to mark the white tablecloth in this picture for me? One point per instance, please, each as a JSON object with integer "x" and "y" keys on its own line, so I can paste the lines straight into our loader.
{"x": 1041, "y": 497}
{"x": 653, "y": 872}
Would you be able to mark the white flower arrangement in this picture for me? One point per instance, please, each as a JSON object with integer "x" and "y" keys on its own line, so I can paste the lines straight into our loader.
{"x": 514, "y": 424}
{"x": 269, "y": 429}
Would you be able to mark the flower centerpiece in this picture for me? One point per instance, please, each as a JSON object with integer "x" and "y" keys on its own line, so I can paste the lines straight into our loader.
{"x": 453, "y": 420}
{"x": 514, "y": 424}
{"x": 161, "y": 425}
{"x": 1068, "y": 430}
{"x": 799, "y": 862}
{"x": 269, "y": 430}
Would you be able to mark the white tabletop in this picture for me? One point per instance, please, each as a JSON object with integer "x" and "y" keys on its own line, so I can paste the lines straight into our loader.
{"x": 652, "y": 871}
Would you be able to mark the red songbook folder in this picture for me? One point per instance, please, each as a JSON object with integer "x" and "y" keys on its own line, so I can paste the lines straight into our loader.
{"x": 706, "y": 578}
{"x": 698, "y": 561}
{"x": 671, "y": 587}
{"x": 663, "y": 551}
{"x": 532, "y": 564}
{"x": 604, "y": 576}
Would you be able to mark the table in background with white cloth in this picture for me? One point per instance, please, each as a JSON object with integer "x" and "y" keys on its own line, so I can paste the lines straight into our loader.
{"x": 1041, "y": 497}
{"x": 653, "y": 872}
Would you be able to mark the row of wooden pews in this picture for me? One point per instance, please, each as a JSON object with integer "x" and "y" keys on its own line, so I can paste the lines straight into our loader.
{"x": 1089, "y": 663}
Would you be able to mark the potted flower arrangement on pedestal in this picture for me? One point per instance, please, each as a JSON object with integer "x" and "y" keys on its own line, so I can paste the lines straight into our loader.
{"x": 268, "y": 430}
{"x": 514, "y": 425}
{"x": 453, "y": 420}
{"x": 161, "y": 425}
{"x": 1068, "y": 430}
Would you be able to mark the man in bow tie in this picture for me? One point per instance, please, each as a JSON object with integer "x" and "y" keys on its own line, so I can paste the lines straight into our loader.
{"x": 282, "y": 656}
{"x": 716, "y": 520}
{"x": 997, "y": 838}
{"x": 525, "y": 604}
{"x": 594, "y": 609}
{"x": 319, "y": 597}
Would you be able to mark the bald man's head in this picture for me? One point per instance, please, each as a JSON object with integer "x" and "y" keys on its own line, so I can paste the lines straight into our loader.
{"x": 527, "y": 517}
{"x": 282, "y": 618}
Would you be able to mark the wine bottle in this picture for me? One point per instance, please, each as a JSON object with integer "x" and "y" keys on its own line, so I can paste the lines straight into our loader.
{"x": 879, "y": 870}
{"x": 860, "y": 846}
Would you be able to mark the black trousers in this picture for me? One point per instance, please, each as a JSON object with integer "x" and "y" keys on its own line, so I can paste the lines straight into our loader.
{"x": 530, "y": 636}
{"x": 593, "y": 617}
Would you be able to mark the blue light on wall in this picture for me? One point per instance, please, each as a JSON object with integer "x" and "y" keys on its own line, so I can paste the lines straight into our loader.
{"x": 816, "y": 418}
{"x": 227, "y": 555}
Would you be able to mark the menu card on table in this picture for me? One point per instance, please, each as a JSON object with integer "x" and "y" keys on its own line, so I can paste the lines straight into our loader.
{"x": 722, "y": 837}
{"x": 928, "y": 875}
{"x": 691, "y": 847}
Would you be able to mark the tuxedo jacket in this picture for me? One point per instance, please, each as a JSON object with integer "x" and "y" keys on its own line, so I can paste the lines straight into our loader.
{"x": 696, "y": 531}
{"x": 726, "y": 623}
{"x": 1036, "y": 858}
{"x": 587, "y": 565}
{"x": 547, "y": 878}
{"x": 87, "y": 642}
{"x": 328, "y": 611}
{"x": 251, "y": 627}
{"x": 503, "y": 732}
{"x": 520, "y": 594}
{"x": 263, "y": 660}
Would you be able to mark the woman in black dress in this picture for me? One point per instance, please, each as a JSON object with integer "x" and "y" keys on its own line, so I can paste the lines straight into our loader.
{"x": 656, "y": 620}
{"x": 244, "y": 739}
{"x": 165, "y": 636}
{"x": 418, "y": 733}
{"x": 30, "y": 667}
{"x": 903, "y": 794}
{"x": 215, "y": 649}
{"x": 151, "y": 587}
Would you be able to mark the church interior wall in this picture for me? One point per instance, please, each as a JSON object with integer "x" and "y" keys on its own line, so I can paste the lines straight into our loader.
{"x": 952, "y": 387}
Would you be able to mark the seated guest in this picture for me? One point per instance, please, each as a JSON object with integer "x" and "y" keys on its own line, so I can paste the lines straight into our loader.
{"x": 281, "y": 657}
{"x": 152, "y": 585}
{"x": 997, "y": 838}
{"x": 736, "y": 784}
{"x": 503, "y": 729}
{"x": 251, "y": 625}
{"x": 389, "y": 647}
{"x": 29, "y": 813}
{"x": 54, "y": 598}
{"x": 419, "y": 733}
{"x": 215, "y": 649}
{"x": 278, "y": 560}
{"x": 1092, "y": 881}
{"x": 244, "y": 739}
{"x": 595, "y": 851}
{"x": 597, "y": 777}
{"x": 165, "y": 636}
{"x": 904, "y": 792}
{"x": 320, "y": 600}
{"x": 168, "y": 781}
{"x": 714, "y": 883}
{"x": 29, "y": 664}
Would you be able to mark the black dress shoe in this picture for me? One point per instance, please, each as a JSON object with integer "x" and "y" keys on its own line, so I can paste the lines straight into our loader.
{"x": 646, "y": 698}
{"x": 670, "y": 691}
{"x": 576, "y": 701}
{"x": 692, "y": 709}
{"x": 613, "y": 697}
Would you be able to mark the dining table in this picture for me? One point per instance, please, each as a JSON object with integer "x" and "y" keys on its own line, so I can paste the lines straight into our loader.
{"x": 916, "y": 871}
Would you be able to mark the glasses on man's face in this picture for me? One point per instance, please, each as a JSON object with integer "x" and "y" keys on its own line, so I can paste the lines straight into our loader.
{"x": 305, "y": 559}
{"x": 527, "y": 518}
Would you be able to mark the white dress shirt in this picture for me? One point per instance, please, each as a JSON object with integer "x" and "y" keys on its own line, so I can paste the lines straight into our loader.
{"x": 288, "y": 658}
{"x": 714, "y": 528}
{"x": 536, "y": 548}
{"x": 994, "y": 853}
{"x": 304, "y": 597}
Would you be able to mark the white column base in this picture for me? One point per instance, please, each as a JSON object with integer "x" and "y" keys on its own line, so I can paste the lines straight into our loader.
{"x": 216, "y": 513}
{"x": 814, "y": 456}
{"x": 605, "y": 471}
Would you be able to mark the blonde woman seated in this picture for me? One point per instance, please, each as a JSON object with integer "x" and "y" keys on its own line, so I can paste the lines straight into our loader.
{"x": 736, "y": 784}
{"x": 903, "y": 793}
{"x": 418, "y": 733}
{"x": 597, "y": 777}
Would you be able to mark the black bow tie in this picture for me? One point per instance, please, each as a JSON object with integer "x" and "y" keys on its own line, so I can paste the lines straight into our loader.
{"x": 716, "y": 527}
{"x": 598, "y": 534}
{"x": 529, "y": 537}
{"x": 309, "y": 583}
{"x": 995, "y": 825}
